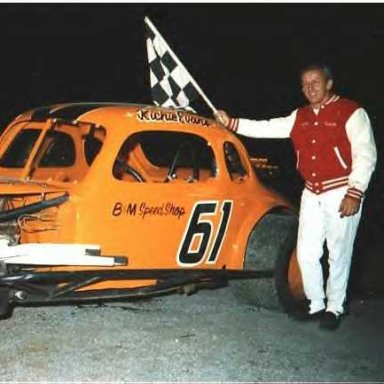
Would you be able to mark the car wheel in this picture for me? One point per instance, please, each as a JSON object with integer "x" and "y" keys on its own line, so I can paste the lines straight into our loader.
{"x": 271, "y": 246}
{"x": 5, "y": 306}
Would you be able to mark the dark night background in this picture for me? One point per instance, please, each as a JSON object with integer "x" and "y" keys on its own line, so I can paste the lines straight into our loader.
{"x": 246, "y": 57}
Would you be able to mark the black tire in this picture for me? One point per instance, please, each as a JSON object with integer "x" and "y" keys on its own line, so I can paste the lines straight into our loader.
{"x": 271, "y": 246}
{"x": 5, "y": 307}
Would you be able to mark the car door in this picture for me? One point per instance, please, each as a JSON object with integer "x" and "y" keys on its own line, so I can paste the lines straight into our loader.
{"x": 170, "y": 206}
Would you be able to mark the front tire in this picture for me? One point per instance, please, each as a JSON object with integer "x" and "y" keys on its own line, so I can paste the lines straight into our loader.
{"x": 271, "y": 246}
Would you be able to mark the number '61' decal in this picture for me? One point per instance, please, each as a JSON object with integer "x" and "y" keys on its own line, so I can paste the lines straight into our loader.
{"x": 204, "y": 228}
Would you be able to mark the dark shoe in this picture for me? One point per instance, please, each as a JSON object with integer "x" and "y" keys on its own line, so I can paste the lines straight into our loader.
{"x": 330, "y": 321}
{"x": 306, "y": 316}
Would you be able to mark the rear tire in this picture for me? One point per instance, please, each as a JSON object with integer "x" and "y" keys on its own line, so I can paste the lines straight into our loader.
{"x": 5, "y": 306}
{"x": 271, "y": 246}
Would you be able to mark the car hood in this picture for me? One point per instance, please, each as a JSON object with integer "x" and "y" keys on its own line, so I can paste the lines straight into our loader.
{"x": 30, "y": 197}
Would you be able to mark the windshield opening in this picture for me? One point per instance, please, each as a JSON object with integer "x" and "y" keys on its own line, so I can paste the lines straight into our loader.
{"x": 65, "y": 153}
{"x": 17, "y": 153}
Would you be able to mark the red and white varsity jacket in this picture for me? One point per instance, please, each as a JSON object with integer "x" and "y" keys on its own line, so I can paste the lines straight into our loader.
{"x": 334, "y": 145}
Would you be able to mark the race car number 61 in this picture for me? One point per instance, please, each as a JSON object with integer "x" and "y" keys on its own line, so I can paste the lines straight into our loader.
{"x": 203, "y": 228}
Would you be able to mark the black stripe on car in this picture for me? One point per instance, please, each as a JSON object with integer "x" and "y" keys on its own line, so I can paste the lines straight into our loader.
{"x": 70, "y": 111}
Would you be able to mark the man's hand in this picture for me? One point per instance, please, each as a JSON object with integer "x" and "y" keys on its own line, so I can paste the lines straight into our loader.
{"x": 349, "y": 206}
{"x": 222, "y": 118}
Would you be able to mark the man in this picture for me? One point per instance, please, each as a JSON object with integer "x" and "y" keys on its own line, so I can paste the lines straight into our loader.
{"x": 336, "y": 155}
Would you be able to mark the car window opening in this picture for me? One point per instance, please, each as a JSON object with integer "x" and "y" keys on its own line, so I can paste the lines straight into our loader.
{"x": 233, "y": 162}
{"x": 162, "y": 157}
{"x": 65, "y": 153}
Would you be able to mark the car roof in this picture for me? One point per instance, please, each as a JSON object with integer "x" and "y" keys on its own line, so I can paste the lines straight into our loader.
{"x": 72, "y": 111}
{"x": 101, "y": 112}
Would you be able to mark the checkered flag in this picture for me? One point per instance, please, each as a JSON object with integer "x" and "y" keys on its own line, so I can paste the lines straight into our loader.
{"x": 171, "y": 83}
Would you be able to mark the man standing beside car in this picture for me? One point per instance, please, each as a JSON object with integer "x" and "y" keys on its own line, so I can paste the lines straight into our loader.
{"x": 336, "y": 155}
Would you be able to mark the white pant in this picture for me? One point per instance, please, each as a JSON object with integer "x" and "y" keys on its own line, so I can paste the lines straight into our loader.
{"x": 319, "y": 221}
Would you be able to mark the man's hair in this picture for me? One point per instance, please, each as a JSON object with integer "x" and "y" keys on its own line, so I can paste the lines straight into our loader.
{"x": 318, "y": 67}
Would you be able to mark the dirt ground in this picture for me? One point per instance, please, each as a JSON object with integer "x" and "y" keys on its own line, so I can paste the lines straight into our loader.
{"x": 204, "y": 337}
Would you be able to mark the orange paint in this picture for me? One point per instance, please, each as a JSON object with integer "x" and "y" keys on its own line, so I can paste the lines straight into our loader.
{"x": 194, "y": 218}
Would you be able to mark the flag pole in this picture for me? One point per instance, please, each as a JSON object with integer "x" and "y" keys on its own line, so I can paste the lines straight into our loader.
{"x": 193, "y": 81}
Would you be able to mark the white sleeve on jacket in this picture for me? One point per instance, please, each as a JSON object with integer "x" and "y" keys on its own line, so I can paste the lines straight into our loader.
{"x": 278, "y": 128}
{"x": 364, "y": 154}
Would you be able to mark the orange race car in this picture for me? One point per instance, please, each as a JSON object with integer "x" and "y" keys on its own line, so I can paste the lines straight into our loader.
{"x": 109, "y": 201}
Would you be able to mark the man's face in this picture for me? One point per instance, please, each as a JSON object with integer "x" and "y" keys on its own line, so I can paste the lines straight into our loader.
{"x": 316, "y": 87}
